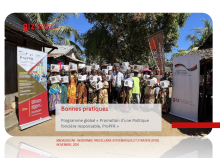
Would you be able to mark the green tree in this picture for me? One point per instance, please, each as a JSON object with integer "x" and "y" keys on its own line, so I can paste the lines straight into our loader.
{"x": 124, "y": 36}
{"x": 62, "y": 34}
{"x": 200, "y": 34}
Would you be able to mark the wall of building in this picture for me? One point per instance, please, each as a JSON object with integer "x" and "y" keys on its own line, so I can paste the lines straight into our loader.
{"x": 11, "y": 87}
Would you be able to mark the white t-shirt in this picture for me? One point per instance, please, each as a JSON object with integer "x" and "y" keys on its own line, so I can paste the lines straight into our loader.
{"x": 119, "y": 77}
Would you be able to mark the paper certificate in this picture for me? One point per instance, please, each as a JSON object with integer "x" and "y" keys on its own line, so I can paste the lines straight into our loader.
{"x": 110, "y": 72}
{"x": 65, "y": 79}
{"x": 132, "y": 74}
{"x": 99, "y": 85}
{"x": 73, "y": 66}
{"x": 164, "y": 84}
{"x": 126, "y": 64}
{"x": 150, "y": 82}
{"x": 88, "y": 68}
{"x": 81, "y": 66}
{"x": 96, "y": 67}
{"x": 108, "y": 77}
{"x": 116, "y": 64}
{"x": 55, "y": 79}
{"x": 128, "y": 83}
{"x": 82, "y": 77}
{"x": 55, "y": 68}
{"x": 158, "y": 77}
{"x": 123, "y": 68}
{"x": 93, "y": 78}
{"x": 65, "y": 67}
{"x": 100, "y": 78}
{"x": 139, "y": 75}
{"x": 105, "y": 71}
{"x": 137, "y": 67}
{"x": 109, "y": 67}
{"x": 146, "y": 77}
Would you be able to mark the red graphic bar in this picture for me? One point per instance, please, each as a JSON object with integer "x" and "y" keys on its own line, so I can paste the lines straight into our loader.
{"x": 196, "y": 125}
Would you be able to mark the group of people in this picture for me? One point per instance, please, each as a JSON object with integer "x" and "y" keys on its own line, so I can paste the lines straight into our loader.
{"x": 113, "y": 90}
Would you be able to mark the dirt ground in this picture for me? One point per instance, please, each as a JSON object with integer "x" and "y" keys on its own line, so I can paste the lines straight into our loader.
{"x": 48, "y": 129}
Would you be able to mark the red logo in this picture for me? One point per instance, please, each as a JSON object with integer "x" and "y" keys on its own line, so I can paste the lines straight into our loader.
{"x": 32, "y": 26}
{"x": 176, "y": 100}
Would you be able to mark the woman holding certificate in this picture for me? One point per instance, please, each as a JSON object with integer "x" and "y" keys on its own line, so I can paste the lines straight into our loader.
{"x": 93, "y": 93}
{"x": 127, "y": 91}
{"x": 103, "y": 92}
{"x": 163, "y": 95}
{"x": 150, "y": 87}
{"x": 71, "y": 94}
{"x": 63, "y": 88}
{"x": 54, "y": 91}
{"x": 145, "y": 74}
{"x": 81, "y": 88}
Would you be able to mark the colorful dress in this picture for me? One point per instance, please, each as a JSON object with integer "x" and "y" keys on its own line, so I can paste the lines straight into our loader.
{"x": 149, "y": 95}
{"x": 127, "y": 93}
{"x": 93, "y": 94}
{"x": 103, "y": 94}
{"x": 82, "y": 93}
{"x": 163, "y": 98}
{"x": 71, "y": 94}
{"x": 54, "y": 96}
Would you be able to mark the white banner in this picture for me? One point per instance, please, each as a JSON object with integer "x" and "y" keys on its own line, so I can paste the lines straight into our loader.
{"x": 185, "y": 95}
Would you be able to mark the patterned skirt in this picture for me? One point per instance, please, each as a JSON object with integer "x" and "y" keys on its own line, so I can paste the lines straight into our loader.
{"x": 163, "y": 99}
{"x": 149, "y": 95}
{"x": 82, "y": 93}
{"x": 53, "y": 100}
{"x": 127, "y": 95}
{"x": 93, "y": 96}
{"x": 72, "y": 92}
{"x": 63, "y": 94}
{"x": 103, "y": 96}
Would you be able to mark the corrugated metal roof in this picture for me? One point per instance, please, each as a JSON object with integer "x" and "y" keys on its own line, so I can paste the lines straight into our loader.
{"x": 15, "y": 21}
{"x": 64, "y": 49}
{"x": 74, "y": 59}
{"x": 55, "y": 55}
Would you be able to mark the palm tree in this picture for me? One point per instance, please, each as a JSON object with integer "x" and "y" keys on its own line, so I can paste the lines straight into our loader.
{"x": 200, "y": 35}
{"x": 62, "y": 34}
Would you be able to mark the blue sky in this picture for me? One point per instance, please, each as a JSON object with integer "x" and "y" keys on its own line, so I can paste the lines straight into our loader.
{"x": 193, "y": 21}
{"x": 81, "y": 24}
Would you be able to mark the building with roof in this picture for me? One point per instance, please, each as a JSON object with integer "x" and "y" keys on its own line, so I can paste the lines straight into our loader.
{"x": 206, "y": 69}
{"x": 64, "y": 53}
{"x": 16, "y": 35}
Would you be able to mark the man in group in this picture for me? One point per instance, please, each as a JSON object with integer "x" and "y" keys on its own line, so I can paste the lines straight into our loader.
{"x": 116, "y": 84}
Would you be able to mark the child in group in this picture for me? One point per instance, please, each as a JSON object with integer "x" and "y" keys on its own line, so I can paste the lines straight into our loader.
{"x": 103, "y": 93}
